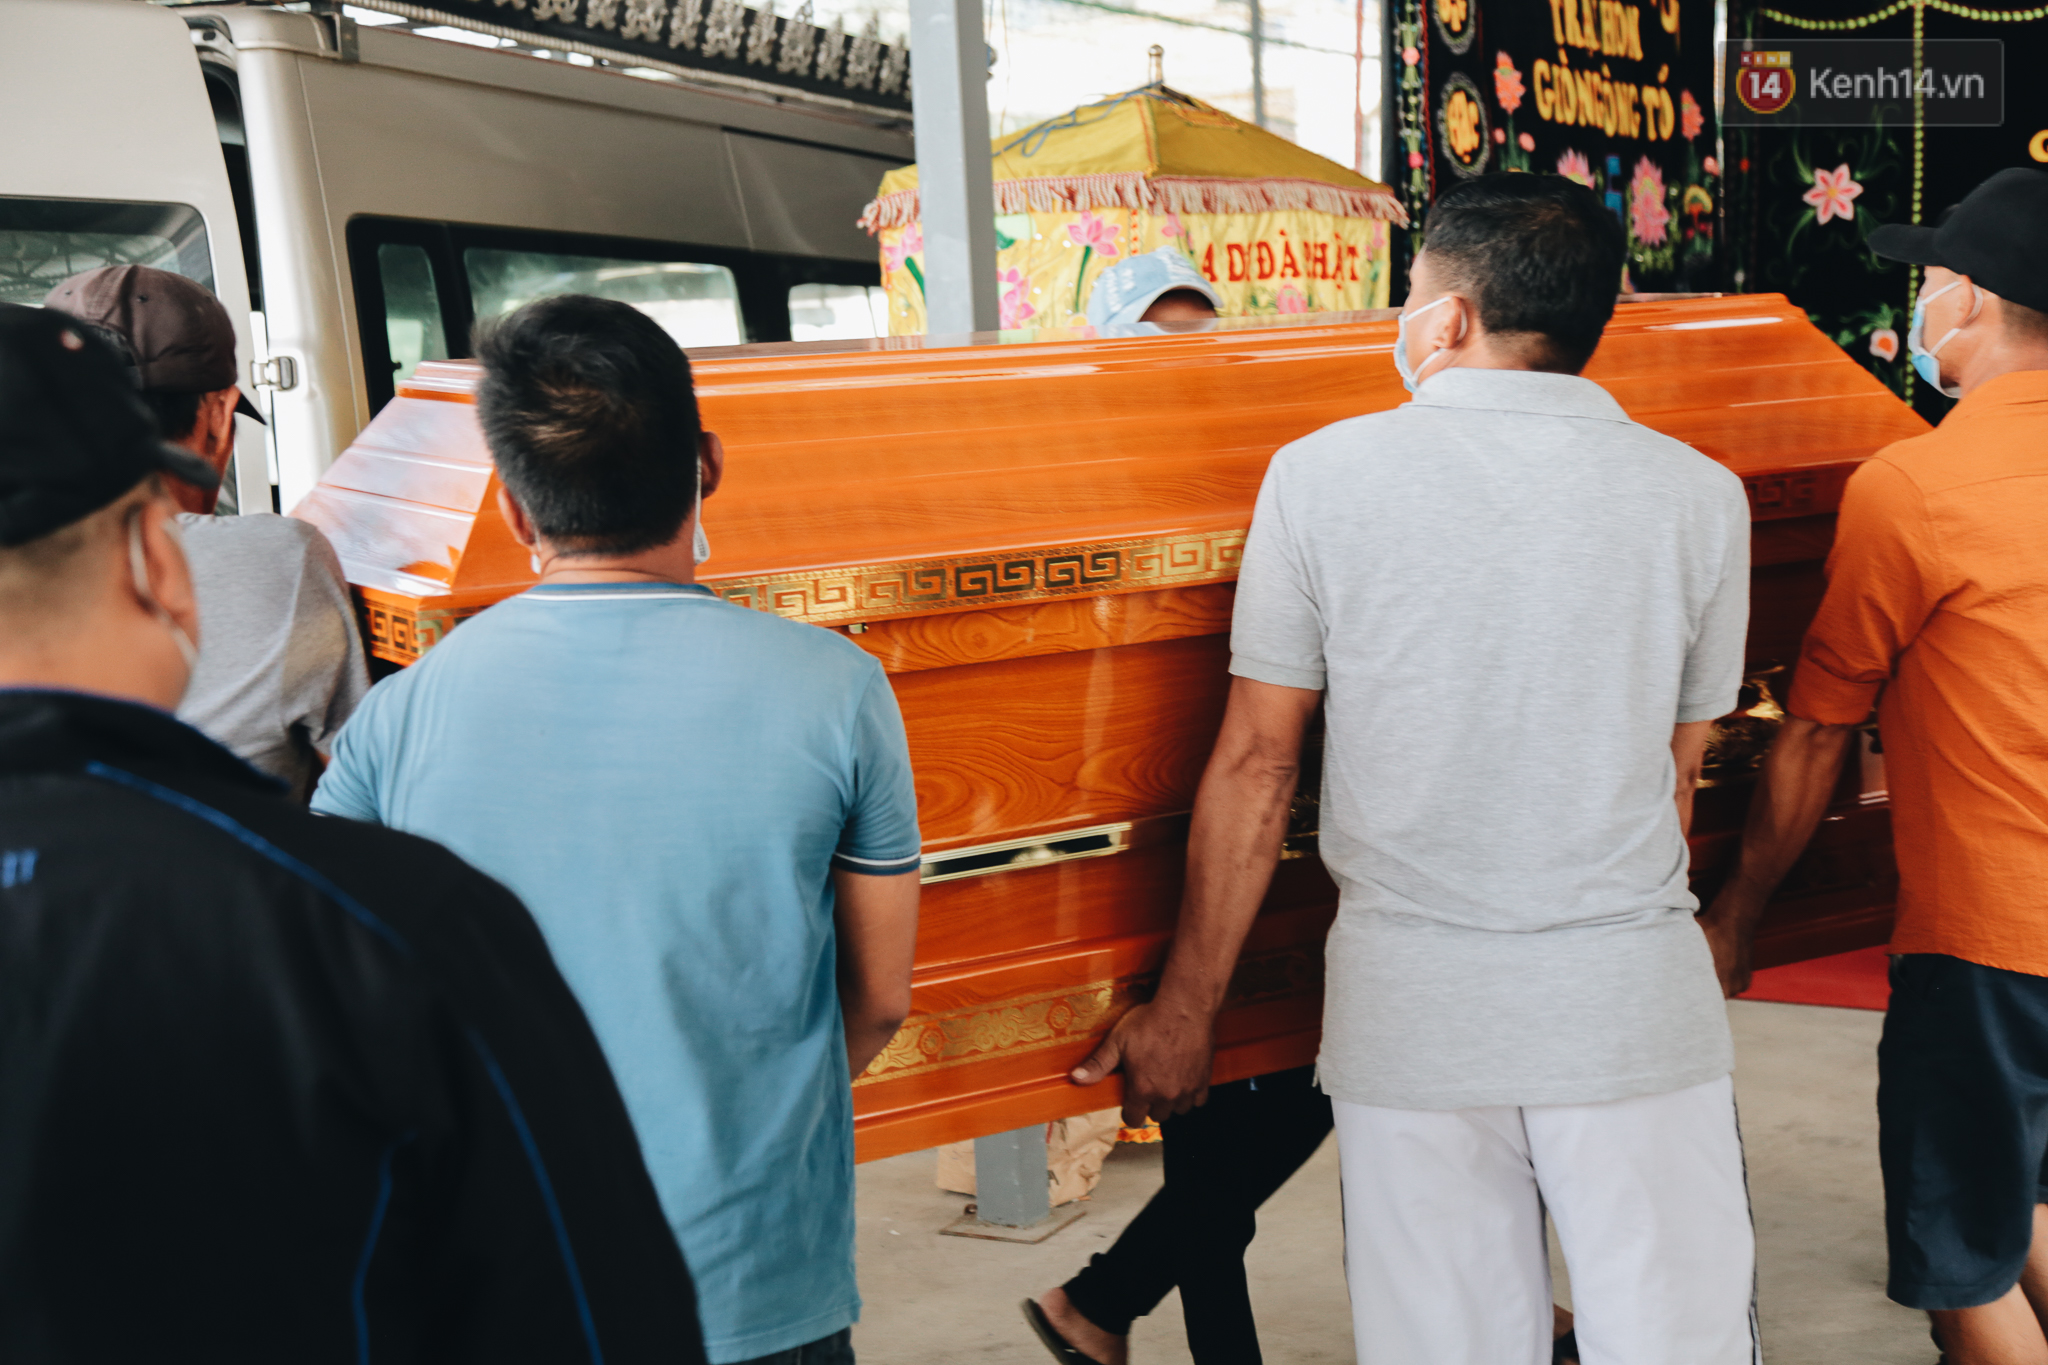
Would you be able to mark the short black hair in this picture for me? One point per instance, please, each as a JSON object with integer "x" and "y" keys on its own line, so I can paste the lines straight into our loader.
{"x": 588, "y": 409}
{"x": 1539, "y": 255}
{"x": 2023, "y": 323}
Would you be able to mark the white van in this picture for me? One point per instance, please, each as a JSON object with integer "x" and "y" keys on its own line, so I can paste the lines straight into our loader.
{"x": 358, "y": 197}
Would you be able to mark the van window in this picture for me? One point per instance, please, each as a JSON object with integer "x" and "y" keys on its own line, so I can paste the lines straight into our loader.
{"x": 698, "y": 305}
{"x": 412, "y": 307}
{"x": 837, "y": 312}
{"x": 701, "y": 295}
{"x": 44, "y": 242}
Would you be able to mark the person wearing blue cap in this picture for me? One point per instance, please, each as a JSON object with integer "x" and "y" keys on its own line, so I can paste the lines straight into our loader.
{"x": 1158, "y": 291}
{"x": 1227, "y": 1158}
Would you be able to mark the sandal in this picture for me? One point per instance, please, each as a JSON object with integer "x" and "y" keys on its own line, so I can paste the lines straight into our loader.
{"x": 1061, "y": 1348}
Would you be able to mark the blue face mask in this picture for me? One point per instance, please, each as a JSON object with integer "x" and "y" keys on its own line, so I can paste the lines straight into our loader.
{"x": 1924, "y": 363}
{"x": 1411, "y": 375}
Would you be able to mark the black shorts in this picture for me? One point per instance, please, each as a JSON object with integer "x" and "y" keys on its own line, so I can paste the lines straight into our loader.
{"x": 1962, "y": 1105}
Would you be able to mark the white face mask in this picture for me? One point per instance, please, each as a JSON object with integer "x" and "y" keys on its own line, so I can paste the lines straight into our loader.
{"x": 138, "y": 568}
{"x": 700, "y": 546}
{"x": 1411, "y": 375}
{"x": 1924, "y": 363}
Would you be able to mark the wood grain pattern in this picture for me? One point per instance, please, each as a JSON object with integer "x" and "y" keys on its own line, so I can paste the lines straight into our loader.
{"x": 948, "y": 641}
{"x": 1017, "y": 746}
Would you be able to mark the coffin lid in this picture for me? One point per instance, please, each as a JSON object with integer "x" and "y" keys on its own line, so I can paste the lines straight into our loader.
{"x": 914, "y": 476}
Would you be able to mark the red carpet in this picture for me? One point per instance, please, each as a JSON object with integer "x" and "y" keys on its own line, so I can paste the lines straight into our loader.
{"x": 1854, "y": 981}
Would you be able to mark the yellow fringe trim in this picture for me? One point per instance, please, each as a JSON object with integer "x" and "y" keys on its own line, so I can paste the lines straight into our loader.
{"x": 1161, "y": 194}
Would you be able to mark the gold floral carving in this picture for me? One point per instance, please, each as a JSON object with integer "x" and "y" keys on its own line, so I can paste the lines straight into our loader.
{"x": 937, "y": 1042}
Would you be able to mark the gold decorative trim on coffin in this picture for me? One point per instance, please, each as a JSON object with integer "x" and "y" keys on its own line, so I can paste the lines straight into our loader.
{"x": 938, "y": 1042}
{"x": 401, "y": 632}
{"x": 964, "y": 582}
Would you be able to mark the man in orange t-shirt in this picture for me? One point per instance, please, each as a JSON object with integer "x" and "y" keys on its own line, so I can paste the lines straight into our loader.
{"x": 1937, "y": 614}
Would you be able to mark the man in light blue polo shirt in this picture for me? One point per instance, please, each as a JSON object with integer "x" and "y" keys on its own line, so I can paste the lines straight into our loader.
{"x": 708, "y": 809}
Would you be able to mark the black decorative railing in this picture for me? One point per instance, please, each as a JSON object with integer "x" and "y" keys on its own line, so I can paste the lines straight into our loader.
{"x": 724, "y": 37}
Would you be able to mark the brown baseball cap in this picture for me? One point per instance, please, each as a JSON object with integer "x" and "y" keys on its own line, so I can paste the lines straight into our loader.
{"x": 177, "y": 331}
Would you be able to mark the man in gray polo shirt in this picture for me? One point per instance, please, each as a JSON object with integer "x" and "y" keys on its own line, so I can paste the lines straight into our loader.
{"x": 1523, "y": 611}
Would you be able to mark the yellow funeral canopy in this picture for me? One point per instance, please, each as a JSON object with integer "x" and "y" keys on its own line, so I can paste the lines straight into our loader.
{"x": 1276, "y": 228}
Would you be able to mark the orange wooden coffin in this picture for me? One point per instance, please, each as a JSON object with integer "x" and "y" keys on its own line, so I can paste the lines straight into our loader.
{"x": 1038, "y": 540}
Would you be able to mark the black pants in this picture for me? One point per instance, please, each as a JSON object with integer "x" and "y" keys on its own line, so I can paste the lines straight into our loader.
{"x": 1223, "y": 1160}
{"x": 836, "y": 1349}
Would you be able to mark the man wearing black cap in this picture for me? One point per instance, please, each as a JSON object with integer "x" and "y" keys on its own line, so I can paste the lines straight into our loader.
{"x": 283, "y": 664}
{"x": 272, "y": 1087}
{"x": 1937, "y": 614}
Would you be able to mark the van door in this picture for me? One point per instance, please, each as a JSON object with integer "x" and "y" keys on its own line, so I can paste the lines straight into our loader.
{"x": 113, "y": 158}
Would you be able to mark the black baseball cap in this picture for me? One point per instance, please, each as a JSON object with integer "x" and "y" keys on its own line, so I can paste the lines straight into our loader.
{"x": 1998, "y": 236}
{"x": 74, "y": 433}
{"x": 177, "y": 330}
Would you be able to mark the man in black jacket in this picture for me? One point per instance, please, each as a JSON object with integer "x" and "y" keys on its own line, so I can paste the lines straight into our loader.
{"x": 272, "y": 1087}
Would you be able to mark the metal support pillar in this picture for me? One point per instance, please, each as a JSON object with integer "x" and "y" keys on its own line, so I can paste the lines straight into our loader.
{"x": 956, "y": 186}
{"x": 1012, "y": 1191}
{"x": 1258, "y": 37}
{"x": 1010, "y": 1186}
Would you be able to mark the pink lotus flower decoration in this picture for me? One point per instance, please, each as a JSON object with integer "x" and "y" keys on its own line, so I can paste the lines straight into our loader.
{"x": 1833, "y": 194}
{"x": 1095, "y": 233}
{"x": 1171, "y": 227}
{"x": 1500, "y": 135}
{"x": 1646, "y": 211}
{"x": 1016, "y": 304}
{"x": 1690, "y": 119}
{"x": 1574, "y": 166}
{"x": 907, "y": 246}
{"x": 1095, "y": 236}
{"x": 1291, "y": 300}
{"x": 1527, "y": 143}
{"x": 1507, "y": 83}
{"x": 1710, "y": 166}
{"x": 1884, "y": 344}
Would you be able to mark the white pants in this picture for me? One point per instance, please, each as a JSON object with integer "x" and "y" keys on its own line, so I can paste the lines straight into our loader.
{"x": 1444, "y": 1245}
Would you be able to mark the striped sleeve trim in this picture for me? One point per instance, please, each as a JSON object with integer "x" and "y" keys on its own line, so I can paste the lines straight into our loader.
{"x": 878, "y": 867}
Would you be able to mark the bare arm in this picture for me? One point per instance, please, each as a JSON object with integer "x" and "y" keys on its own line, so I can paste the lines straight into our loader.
{"x": 1165, "y": 1048}
{"x": 1688, "y": 754}
{"x": 1790, "y": 797}
{"x": 877, "y": 926}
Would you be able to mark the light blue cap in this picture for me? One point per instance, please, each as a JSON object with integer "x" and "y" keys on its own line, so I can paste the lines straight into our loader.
{"x": 1123, "y": 292}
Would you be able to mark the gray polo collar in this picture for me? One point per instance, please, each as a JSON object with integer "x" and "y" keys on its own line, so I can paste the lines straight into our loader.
{"x": 1525, "y": 391}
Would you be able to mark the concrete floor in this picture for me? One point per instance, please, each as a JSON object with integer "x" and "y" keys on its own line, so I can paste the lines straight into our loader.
{"x": 1805, "y": 1083}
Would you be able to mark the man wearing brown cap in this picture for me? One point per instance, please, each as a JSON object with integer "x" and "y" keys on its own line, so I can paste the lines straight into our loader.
{"x": 283, "y": 665}
{"x": 1937, "y": 615}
